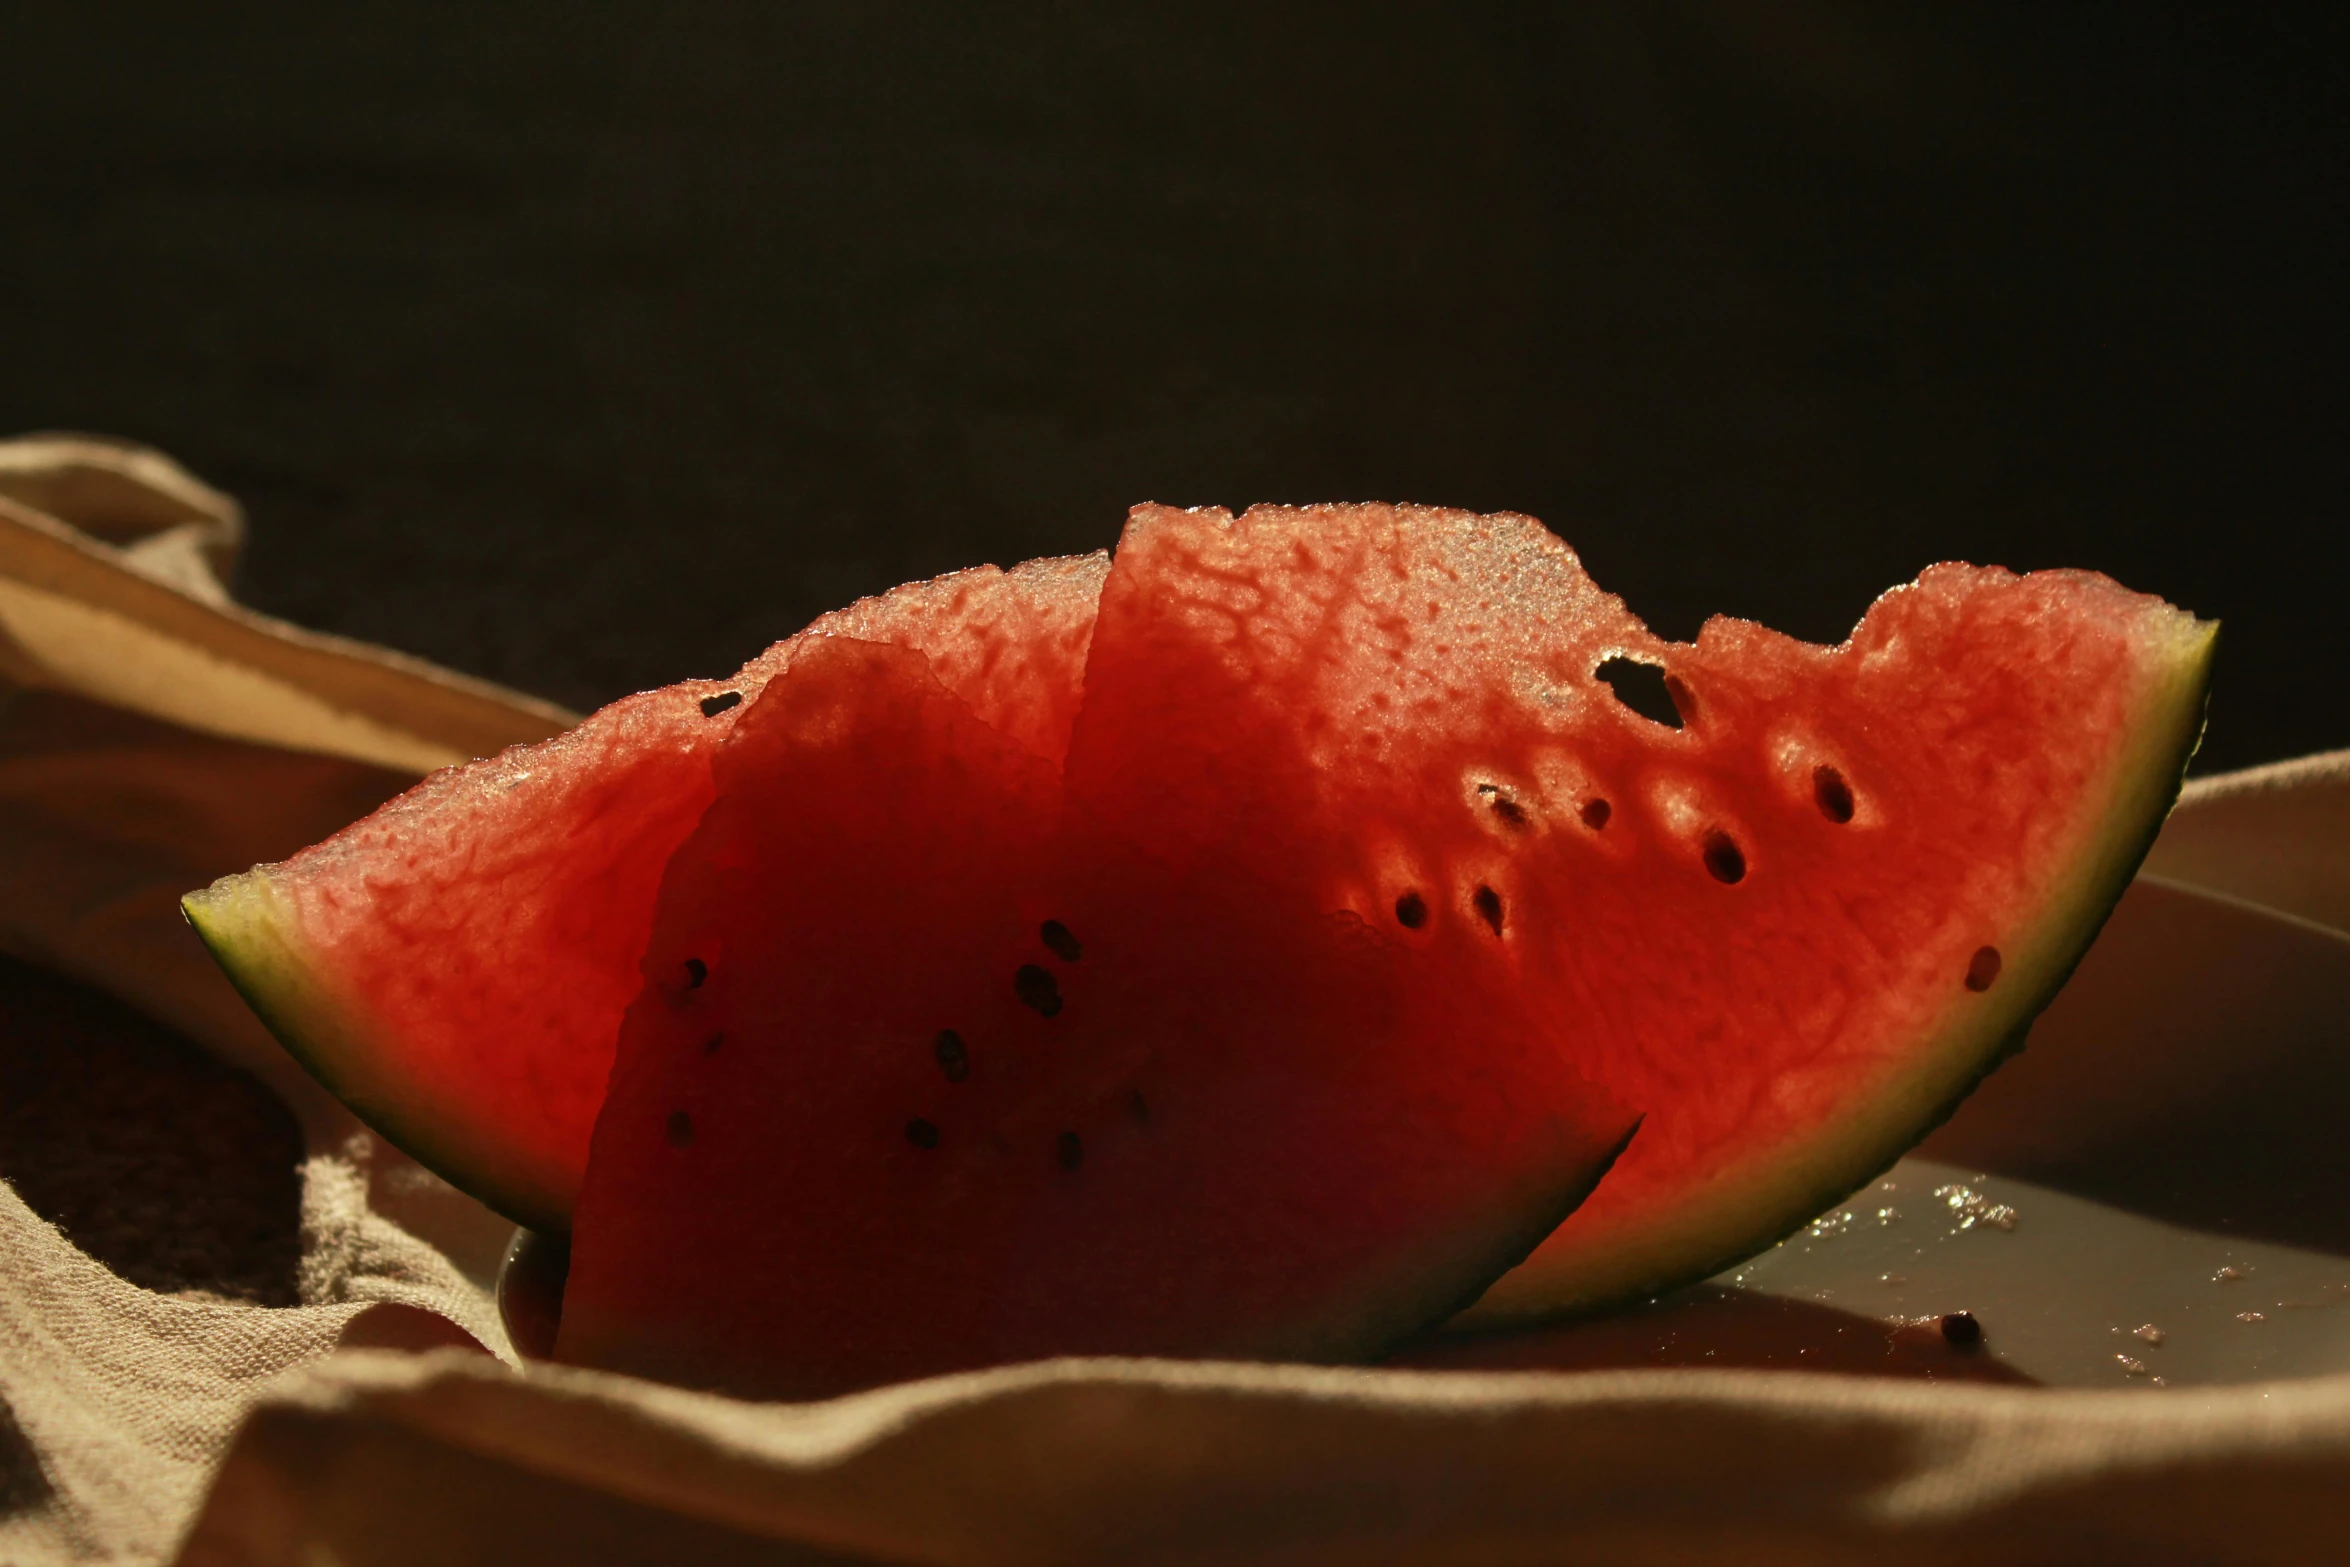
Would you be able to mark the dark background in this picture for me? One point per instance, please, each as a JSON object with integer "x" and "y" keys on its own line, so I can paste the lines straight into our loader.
{"x": 588, "y": 346}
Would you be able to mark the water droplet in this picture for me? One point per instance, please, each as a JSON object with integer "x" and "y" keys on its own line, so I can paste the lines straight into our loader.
{"x": 1972, "y": 1208}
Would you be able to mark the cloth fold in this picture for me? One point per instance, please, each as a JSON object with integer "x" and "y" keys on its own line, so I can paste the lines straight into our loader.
{"x": 154, "y": 735}
{"x": 1151, "y": 1462}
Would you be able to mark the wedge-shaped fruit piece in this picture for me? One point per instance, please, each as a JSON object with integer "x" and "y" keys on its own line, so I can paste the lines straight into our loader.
{"x": 929, "y": 1072}
{"x": 455, "y": 966}
{"x": 1793, "y": 917}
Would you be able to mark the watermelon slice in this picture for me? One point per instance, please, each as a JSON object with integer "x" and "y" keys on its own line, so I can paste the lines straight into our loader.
{"x": 1793, "y": 929}
{"x": 455, "y": 966}
{"x": 1319, "y": 790}
{"x": 930, "y": 1072}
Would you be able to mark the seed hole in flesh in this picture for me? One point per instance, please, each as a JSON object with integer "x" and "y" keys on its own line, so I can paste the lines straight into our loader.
{"x": 1961, "y": 1328}
{"x": 712, "y": 706}
{"x": 921, "y": 1133}
{"x": 1684, "y": 703}
{"x": 1832, "y": 793}
{"x": 1724, "y": 859}
{"x": 681, "y": 1129}
{"x": 710, "y": 1046}
{"x": 1037, "y": 989}
{"x": 1982, "y": 968}
{"x": 696, "y": 971}
{"x": 1064, "y": 946}
{"x": 1595, "y": 814}
{"x": 953, "y": 1058}
{"x": 1069, "y": 1150}
{"x": 1506, "y": 810}
{"x": 1411, "y": 911}
{"x": 1643, "y": 688}
{"x": 1487, "y": 903}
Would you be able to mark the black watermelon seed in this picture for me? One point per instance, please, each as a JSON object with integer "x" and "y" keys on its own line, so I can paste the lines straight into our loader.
{"x": 1064, "y": 945}
{"x": 1411, "y": 911}
{"x": 1982, "y": 968}
{"x": 681, "y": 1129}
{"x": 921, "y": 1133}
{"x": 1037, "y": 989}
{"x": 1961, "y": 1328}
{"x": 712, "y": 706}
{"x": 695, "y": 972}
{"x": 1723, "y": 859}
{"x": 710, "y": 1045}
{"x": 1832, "y": 794}
{"x": 1138, "y": 1107}
{"x": 1595, "y": 814}
{"x": 953, "y": 1059}
{"x": 1512, "y": 814}
{"x": 1487, "y": 903}
{"x": 1069, "y": 1150}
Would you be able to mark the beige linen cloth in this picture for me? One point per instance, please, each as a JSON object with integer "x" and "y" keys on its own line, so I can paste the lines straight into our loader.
{"x": 156, "y": 735}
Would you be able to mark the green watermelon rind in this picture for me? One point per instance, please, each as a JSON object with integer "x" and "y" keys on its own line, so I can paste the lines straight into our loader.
{"x": 251, "y": 932}
{"x": 1452, "y": 1278}
{"x": 245, "y": 923}
{"x": 1780, "y": 1196}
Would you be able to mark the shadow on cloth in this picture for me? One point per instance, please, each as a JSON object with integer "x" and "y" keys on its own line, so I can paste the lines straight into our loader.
{"x": 176, "y": 1172}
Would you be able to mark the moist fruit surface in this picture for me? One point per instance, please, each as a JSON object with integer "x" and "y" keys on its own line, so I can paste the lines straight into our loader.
{"x": 455, "y": 966}
{"x": 1792, "y": 923}
{"x": 1254, "y": 946}
{"x": 931, "y": 1072}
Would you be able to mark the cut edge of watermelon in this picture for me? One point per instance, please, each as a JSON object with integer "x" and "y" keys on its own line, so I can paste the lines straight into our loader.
{"x": 1396, "y": 1316}
{"x": 2147, "y": 775}
{"x": 1408, "y": 1321}
{"x": 245, "y": 923}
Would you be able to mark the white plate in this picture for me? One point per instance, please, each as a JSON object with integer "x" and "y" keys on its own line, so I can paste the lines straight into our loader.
{"x": 2156, "y": 1193}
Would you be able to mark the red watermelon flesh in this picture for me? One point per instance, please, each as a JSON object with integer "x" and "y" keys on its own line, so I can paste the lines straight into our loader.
{"x": 931, "y": 1072}
{"x": 455, "y": 966}
{"x": 1793, "y": 931}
